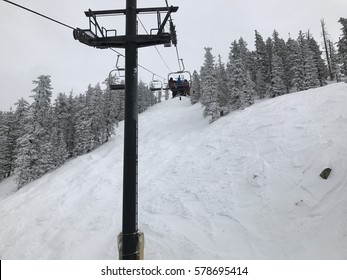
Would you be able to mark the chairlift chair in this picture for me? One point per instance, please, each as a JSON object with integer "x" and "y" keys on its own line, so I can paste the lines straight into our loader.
{"x": 155, "y": 85}
{"x": 118, "y": 77}
{"x": 182, "y": 89}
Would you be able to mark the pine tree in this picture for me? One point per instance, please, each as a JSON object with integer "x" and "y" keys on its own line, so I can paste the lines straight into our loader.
{"x": 342, "y": 46}
{"x": 110, "y": 112}
{"x": 70, "y": 121}
{"x": 146, "y": 97}
{"x": 310, "y": 68}
{"x": 334, "y": 62}
{"x": 6, "y": 144}
{"x": 240, "y": 86}
{"x": 195, "y": 90}
{"x": 281, "y": 51}
{"x": 62, "y": 123}
{"x": 221, "y": 85}
{"x": 83, "y": 140}
{"x": 245, "y": 55}
{"x": 19, "y": 118}
{"x": 326, "y": 47}
{"x": 307, "y": 76}
{"x": 34, "y": 156}
{"x": 277, "y": 87}
{"x": 260, "y": 65}
{"x": 297, "y": 68}
{"x": 322, "y": 70}
{"x": 27, "y": 155}
{"x": 59, "y": 152}
{"x": 96, "y": 108}
{"x": 249, "y": 93}
{"x": 293, "y": 63}
{"x": 209, "y": 99}
{"x": 268, "y": 60}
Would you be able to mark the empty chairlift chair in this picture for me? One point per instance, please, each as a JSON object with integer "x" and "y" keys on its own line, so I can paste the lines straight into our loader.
{"x": 155, "y": 85}
{"x": 117, "y": 80}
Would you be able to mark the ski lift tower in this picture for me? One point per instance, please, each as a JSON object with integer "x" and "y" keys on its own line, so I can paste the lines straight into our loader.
{"x": 99, "y": 37}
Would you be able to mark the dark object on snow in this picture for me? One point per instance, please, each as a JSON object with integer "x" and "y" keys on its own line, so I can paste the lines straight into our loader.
{"x": 297, "y": 203}
{"x": 325, "y": 173}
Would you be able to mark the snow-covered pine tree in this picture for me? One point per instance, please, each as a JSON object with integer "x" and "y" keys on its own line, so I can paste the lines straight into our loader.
{"x": 209, "y": 98}
{"x": 280, "y": 50}
{"x": 268, "y": 60}
{"x": 306, "y": 72}
{"x": 342, "y": 46}
{"x": 334, "y": 62}
{"x": 240, "y": 86}
{"x": 61, "y": 127}
{"x": 297, "y": 65}
{"x": 19, "y": 124}
{"x": 26, "y": 151}
{"x": 34, "y": 156}
{"x": 277, "y": 87}
{"x": 249, "y": 93}
{"x": 59, "y": 152}
{"x": 239, "y": 83}
{"x": 110, "y": 112}
{"x": 146, "y": 97}
{"x": 245, "y": 54}
{"x": 260, "y": 65}
{"x": 6, "y": 144}
{"x": 310, "y": 69}
{"x": 221, "y": 82}
{"x": 326, "y": 48}
{"x": 292, "y": 58}
{"x": 96, "y": 108}
{"x": 318, "y": 60}
{"x": 195, "y": 90}
{"x": 83, "y": 140}
{"x": 71, "y": 122}
{"x": 118, "y": 96}
{"x": 278, "y": 45}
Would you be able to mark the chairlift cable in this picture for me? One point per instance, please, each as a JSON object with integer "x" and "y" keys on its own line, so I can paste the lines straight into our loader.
{"x": 39, "y": 14}
{"x": 70, "y": 27}
{"x": 177, "y": 52}
{"x": 154, "y": 45}
{"x": 144, "y": 68}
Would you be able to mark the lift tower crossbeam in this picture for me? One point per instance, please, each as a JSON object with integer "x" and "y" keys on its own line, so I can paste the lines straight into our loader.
{"x": 91, "y": 37}
{"x": 130, "y": 236}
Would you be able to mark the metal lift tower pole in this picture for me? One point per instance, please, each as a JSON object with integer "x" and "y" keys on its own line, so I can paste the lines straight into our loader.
{"x": 130, "y": 187}
{"x": 130, "y": 240}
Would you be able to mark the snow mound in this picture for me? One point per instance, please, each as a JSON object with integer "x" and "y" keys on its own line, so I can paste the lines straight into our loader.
{"x": 245, "y": 187}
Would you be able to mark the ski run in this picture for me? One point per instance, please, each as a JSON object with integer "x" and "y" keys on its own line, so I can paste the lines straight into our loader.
{"x": 244, "y": 187}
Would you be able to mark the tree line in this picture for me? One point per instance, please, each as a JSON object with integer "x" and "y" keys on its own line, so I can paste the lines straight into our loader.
{"x": 274, "y": 68}
{"x": 38, "y": 137}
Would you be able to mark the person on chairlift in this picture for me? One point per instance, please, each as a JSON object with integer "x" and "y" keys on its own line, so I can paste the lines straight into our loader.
{"x": 172, "y": 86}
{"x": 186, "y": 87}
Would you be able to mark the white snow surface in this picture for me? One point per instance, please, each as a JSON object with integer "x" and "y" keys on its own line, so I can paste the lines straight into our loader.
{"x": 244, "y": 187}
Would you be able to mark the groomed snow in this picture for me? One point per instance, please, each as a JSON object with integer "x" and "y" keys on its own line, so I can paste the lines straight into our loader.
{"x": 244, "y": 187}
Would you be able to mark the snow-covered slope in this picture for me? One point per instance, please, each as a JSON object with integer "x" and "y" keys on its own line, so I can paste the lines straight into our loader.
{"x": 244, "y": 187}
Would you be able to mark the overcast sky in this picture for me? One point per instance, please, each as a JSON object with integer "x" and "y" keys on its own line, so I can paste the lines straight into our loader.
{"x": 32, "y": 46}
